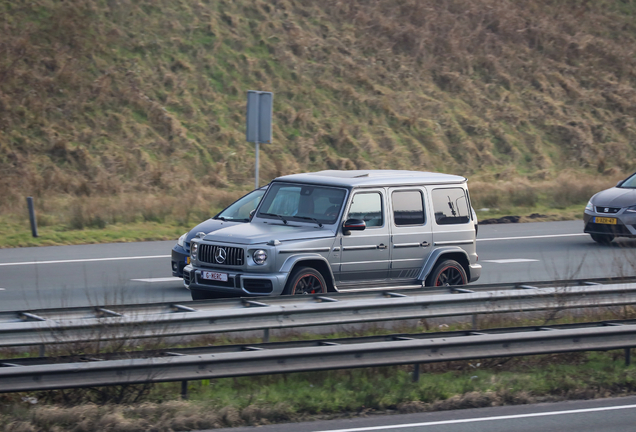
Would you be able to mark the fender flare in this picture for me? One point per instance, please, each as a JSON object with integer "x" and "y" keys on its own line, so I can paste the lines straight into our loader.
{"x": 292, "y": 260}
{"x": 434, "y": 257}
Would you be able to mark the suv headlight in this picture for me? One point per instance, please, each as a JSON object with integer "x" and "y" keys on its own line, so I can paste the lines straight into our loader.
{"x": 589, "y": 207}
{"x": 631, "y": 209}
{"x": 259, "y": 256}
{"x": 194, "y": 247}
{"x": 181, "y": 240}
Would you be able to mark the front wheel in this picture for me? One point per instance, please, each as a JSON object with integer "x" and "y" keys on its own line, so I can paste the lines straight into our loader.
{"x": 447, "y": 273}
{"x": 305, "y": 280}
{"x": 604, "y": 239}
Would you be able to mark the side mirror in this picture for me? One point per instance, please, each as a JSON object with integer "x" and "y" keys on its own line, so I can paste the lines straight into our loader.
{"x": 353, "y": 225}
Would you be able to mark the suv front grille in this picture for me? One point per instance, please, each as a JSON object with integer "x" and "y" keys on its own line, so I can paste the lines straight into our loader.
{"x": 221, "y": 255}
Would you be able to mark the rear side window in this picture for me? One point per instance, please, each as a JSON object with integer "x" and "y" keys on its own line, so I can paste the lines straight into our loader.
{"x": 408, "y": 208}
{"x": 451, "y": 206}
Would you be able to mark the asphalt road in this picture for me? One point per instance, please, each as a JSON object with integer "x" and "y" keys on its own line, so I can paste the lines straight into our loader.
{"x": 60, "y": 276}
{"x": 603, "y": 415}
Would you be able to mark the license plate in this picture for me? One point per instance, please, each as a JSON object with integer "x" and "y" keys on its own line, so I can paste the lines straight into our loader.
{"x": 215, "y": 276}
{"x": 605, "y": 220}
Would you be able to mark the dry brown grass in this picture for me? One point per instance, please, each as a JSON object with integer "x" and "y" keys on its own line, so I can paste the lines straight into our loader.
{"x": 121, "y": 98}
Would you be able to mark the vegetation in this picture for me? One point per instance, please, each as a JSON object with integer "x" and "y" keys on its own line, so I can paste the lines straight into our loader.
{"x": 134, "y": 108}
{"x": 304, "y": 396}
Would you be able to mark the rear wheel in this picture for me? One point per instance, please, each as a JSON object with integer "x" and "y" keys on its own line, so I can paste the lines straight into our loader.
{"x": 602, "y": 238}
{"x": 305, "y": 280}
{"x": 447, "y": 273}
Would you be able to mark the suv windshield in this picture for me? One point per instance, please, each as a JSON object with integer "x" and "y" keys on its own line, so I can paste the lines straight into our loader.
{"x": 302, "y": 202}
{"x": 240, "y": 210}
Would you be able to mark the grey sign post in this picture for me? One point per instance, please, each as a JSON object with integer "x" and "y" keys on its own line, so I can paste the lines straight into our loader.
{"x": 259, "y": 121}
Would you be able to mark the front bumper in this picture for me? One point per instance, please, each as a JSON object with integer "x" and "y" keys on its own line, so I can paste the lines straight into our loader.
{"x": 179, "y": 259}
{"x": 238, "y": 284}
{"x": 625, "y": 224}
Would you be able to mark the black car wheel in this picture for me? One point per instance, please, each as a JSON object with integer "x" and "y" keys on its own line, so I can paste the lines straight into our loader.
{"x": 305, "y": 280}
{"x": 604, "y": 239}
{"x": 447, "y": 273}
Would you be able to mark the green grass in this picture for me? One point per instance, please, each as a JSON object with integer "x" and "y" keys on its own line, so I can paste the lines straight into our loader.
{"x": 19, "y": 234}
{"x": 304, "y": 396}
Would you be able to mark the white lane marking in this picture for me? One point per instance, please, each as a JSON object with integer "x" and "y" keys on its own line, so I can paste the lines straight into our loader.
{"x": 480, "y": 419}
{"x": 532, "y": 237}
{"x": 165, "y": 279}
{"x": 84, "y": 260}
{"x": 510, "y": 261}
{"x": 168, "y": 256}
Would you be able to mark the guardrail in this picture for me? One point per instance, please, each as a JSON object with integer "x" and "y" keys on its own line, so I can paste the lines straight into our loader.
{"x": 321, "y": 355}
{"x": 193, "y": 318}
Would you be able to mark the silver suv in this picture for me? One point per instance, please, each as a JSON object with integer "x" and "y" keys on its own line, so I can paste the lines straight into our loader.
{"x": 342, "y": 231}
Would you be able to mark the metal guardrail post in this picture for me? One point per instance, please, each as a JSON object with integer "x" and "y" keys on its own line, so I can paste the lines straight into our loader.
{"x": 42, "y": 349}
{"x": 265, "y": 335}
{"x": 34, "y": 226}
{"x": 628, "y": 356}
{"x": 184, "y": 390}
{"x": 416, "y": 372}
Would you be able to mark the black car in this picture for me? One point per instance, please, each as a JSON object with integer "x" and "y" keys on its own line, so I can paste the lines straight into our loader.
{"x": 236, "y": 213}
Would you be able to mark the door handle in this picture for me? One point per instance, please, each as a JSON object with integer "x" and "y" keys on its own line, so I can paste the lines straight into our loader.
{"x": 425, "y": 244}
{"x": 381, "y": 246}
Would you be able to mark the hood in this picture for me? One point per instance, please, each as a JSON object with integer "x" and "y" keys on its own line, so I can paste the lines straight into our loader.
{"x": 615, "y": 197}
{"x": 260, "y": 233}
{"x": 209, "y": 226}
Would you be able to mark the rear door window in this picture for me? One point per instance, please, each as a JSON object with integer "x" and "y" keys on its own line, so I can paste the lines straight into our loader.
{"x": 408, "y": 208}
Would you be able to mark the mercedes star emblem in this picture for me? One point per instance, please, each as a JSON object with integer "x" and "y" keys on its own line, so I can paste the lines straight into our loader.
{"x": 220, "y": 255}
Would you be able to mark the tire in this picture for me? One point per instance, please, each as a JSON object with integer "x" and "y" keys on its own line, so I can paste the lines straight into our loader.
{"x": 603, "y": 239}
{"x": 305, "y": 280}
{"x": 448, "y": 273}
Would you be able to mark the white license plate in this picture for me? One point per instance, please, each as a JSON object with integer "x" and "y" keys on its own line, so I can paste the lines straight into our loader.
{"x": 216, "y": 276}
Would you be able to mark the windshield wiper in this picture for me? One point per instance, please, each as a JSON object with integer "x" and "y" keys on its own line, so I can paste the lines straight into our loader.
{"x": 311, "y": 219}
{"x": 275, "y": 215}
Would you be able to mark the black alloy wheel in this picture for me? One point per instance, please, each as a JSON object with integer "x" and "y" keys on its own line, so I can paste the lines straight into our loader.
{"x": 448, "y": 273}
{"x": 306, "y": 280}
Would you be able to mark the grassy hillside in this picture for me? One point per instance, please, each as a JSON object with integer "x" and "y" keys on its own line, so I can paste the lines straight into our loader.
{"x": 121, "y": 110}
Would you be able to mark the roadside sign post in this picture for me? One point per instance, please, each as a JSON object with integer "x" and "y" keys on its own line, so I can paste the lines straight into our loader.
{"x": 259, "y": 122}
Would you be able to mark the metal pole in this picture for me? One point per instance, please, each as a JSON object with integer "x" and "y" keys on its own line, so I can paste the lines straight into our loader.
{"x": 256, "y": 169}
{"x": 416, "y": 372}
{"x": 628, "y": 356}
{"x": 184, "y": 390}
{"x": 34, "y": 227}
{"x": 265, "y": 335}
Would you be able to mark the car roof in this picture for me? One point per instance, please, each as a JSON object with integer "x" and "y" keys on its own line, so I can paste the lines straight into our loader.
{"x": 372, "y": 178}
